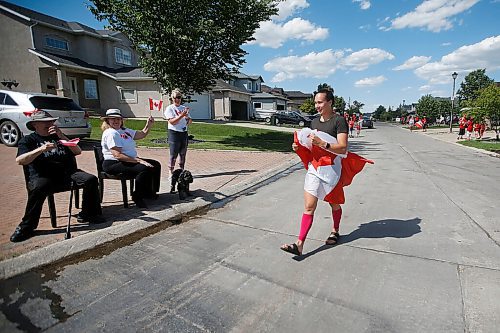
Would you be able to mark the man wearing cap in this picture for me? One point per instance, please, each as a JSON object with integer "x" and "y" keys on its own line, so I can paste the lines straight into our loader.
{"x": 51, "y": 167}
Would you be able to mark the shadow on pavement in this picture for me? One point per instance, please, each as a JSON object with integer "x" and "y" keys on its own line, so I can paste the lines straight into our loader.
{"x": 390, "y": 228}
{"x": 236, "y": 172}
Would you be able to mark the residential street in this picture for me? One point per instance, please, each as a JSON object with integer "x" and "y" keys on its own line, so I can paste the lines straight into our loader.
{"x": 419, "y": 252}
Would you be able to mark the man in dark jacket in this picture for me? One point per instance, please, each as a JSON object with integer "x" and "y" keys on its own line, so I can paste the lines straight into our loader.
{"x": 50, "y": 165}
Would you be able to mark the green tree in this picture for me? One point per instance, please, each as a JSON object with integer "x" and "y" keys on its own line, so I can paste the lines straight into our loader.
{"x": 308, "y": 106}
{"x": 378, "y": 112}
{"x": 487, "y": 106}
{"x": 444, "y": 108}
{"x": 339, "y": 104}
{"x": 187, "y": 44}
{"x": 472, "y": 84}
{"x": 356, "y": 107}
{"x": 428, "y": 106}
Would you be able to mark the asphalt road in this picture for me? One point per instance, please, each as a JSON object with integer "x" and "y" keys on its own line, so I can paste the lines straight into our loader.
{"x": 419, "y": 253}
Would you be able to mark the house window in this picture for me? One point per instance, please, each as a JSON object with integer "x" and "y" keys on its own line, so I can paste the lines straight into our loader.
{"x": 128, "y": 95}
{"x": 280, "y": 107}
{"x": 257, "y": 86}
{"x": 257, "y": 105}
{"x": 56, "y": 43}
{"x": 123, "y": 56}
{"x": 90, "y": 89}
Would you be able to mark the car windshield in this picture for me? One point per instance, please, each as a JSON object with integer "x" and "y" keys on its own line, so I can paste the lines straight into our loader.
{"x": 54, "y": 103}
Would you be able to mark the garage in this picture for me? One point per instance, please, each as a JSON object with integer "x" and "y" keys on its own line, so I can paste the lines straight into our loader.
{"x": 239, "y": 110}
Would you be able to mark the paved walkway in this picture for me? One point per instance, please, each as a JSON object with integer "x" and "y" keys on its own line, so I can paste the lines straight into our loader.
{"x": 217, "y": 174}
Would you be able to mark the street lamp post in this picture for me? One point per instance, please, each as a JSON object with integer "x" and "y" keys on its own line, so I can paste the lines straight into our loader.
{"x": 454, "y": 76}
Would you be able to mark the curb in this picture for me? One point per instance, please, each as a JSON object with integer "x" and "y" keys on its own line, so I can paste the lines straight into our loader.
{"x": 487, "y": 152}
{"x": 109, "y": 239}
{"x": 433, "y": 136}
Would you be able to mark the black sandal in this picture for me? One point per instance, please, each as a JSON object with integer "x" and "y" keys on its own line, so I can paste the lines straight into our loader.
{"x": 333, "y": 238}
{"x": 291, "y": 248}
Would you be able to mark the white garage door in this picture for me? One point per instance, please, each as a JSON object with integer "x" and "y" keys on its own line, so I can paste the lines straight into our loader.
{"x": 200, "y": 107}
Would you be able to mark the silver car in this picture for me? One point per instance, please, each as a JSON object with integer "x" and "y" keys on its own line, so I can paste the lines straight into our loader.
{"x": 16, "y": 109}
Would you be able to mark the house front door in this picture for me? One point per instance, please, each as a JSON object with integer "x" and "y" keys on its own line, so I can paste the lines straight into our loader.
{"x": 73, "y": 87}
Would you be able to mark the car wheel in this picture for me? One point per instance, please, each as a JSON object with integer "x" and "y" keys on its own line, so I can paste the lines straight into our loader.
{"x": 9, "y": 133}
{"x": 301, "y": 123}
{"x": 268, "y": 120}
{"x": 277, "y": 122}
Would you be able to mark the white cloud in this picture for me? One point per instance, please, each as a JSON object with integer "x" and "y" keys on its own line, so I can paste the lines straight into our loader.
{"x": 433, "y": 15}
{"x": 274, "y": 35}
{"x": 413, "y": 62}
{"x": 364, "y": 4}
{"x": 370, "y": 81}
{"x": 289, "y": 7}
{"x": 425, "y": 88}
{"x": 485, "y": 54}
{"x": 317, "y": 65}
{"x": 322, "y": 64}
{"x": 446, "y": 44}
{"x": 361, "y": 60}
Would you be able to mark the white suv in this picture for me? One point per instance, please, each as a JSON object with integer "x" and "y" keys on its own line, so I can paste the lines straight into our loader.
{"x": 16, "y": 109}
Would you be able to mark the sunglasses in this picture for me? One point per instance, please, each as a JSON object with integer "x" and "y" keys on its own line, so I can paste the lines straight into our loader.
{"x": 177, "y": 97}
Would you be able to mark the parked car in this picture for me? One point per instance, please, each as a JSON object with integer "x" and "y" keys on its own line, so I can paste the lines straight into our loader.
{"x": 261, "y": 114}
{"x": 16, "y": 109}
{"x": 367, "y": 122}
{"x": 290, "y": 117}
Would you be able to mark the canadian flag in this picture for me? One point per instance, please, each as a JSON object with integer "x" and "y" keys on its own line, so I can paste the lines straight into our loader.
{"x": 155, "y": 105}
{"x": 334, "y": 171}
{"x": 419, "y": 124}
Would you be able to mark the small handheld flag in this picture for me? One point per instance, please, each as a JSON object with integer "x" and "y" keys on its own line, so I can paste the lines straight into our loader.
{"x": 155, "y": 105}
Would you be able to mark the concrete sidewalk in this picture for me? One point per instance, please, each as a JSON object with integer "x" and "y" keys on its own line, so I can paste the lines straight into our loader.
{"x": 217, "y": 176}
{"x": 444, "y": 134}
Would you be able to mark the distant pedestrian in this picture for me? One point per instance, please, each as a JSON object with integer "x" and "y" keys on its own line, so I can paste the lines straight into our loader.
{"x": 469, "y": 128}
{"x": 482, "y": 129}
{"x": 477, "y": 130}
{"x": 351, "y": 128}
{"x": 424, "y": 124}
{"x": 411, "y": 122}
{"x": 358, "y": 127}
{"x": 461, "y": 127}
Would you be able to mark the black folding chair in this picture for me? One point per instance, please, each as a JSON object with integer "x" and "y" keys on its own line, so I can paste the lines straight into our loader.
{"x": 99, "y": 159}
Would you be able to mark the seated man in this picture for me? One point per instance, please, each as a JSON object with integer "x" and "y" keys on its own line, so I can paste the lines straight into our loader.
{"x": 51, "y": 167}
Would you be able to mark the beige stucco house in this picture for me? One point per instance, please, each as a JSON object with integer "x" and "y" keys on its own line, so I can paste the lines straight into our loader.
{"x": 97, "y": 68}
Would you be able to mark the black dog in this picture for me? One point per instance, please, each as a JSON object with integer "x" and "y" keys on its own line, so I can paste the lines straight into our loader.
{"x": 181, "y": 178}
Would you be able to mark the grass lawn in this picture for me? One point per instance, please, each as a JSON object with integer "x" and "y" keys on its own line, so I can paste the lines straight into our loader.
{"x": 490, "y": 145}
{"x": 211, "y": 136}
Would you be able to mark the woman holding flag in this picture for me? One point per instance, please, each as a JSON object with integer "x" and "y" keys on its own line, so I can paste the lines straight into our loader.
{"x": 178, "y": 119}
{"x": 120, "y": 156}
{"x": 323, "y": 150}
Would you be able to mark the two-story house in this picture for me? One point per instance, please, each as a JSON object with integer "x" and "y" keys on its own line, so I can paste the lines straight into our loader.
{"x": 99, "y": 69}
{"x": 294, "y": 98}
{"x": 96, "y": 68}
{"x": 262, "y": 103}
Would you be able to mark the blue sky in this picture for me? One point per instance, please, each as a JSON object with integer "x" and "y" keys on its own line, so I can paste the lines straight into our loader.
{"x": 378, "y": 52}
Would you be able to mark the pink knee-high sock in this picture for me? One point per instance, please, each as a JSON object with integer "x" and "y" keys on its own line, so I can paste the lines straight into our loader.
{"x": 337, "y": 215}
{"x": 305, "y": 226}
